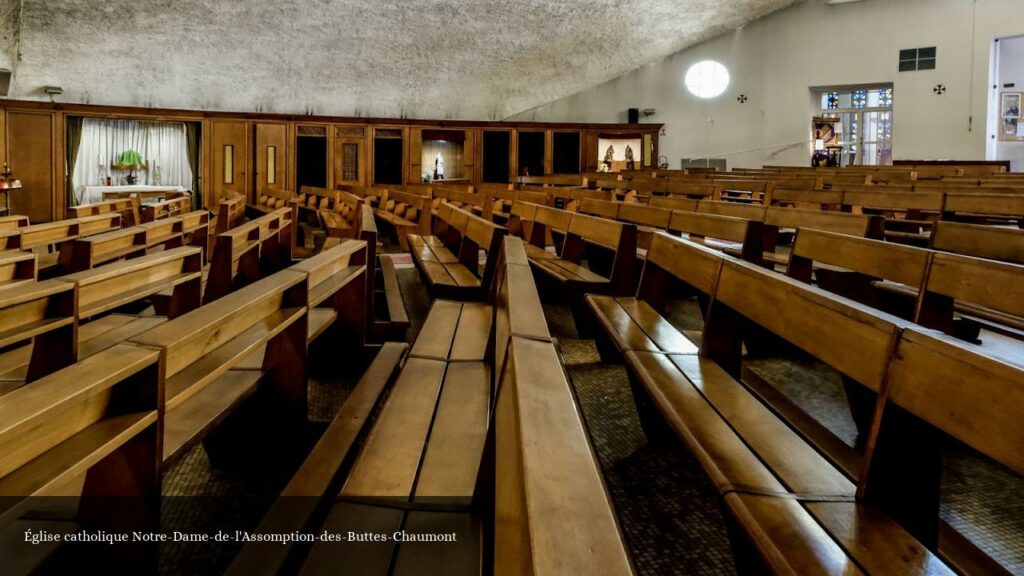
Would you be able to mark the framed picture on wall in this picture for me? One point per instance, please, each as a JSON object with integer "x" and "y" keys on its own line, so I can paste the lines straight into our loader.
{"x": 1009, "y": 116}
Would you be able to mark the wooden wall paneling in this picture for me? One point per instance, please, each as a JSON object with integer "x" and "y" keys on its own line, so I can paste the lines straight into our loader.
{"x": 233, "y": 178}
{"x": 60, "y": 163}
{"x": 271, "y": 148}
{"x": 471, "y": 156}
{"x": 549, "y": 151}
{"x": 3, "y": 136}
{"x": 415, "y": 156}
{"x": 588, "y": 149}
{"x": 290, "y": 173}
{"x": 32, "y": 153}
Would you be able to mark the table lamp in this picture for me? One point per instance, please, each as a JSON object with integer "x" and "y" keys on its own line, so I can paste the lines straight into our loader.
{"x": 131, "y": 161}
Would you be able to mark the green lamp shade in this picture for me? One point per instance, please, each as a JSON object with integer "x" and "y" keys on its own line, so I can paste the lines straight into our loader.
{"x": 129, "y": 158}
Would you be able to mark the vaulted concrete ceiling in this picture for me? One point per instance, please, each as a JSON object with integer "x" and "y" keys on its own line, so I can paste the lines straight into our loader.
{"x": 473, "y": 59}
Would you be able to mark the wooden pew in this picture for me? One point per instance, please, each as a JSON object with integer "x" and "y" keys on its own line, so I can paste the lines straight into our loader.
{"x": 230, "y": 212}
{"x": 201, "y": 390}
{"x": 90, "y": 431}
{"x": 17, "y": 267}
{"x": 503, "y": 201}
{"x": 47, "y": 240}
{"x": 387, "y": 318}
{"x": 551, "y": 180}
{"x": 477, "y": 203}
{"x": 981, "y": 207}
{"x": 742, "y": 190}
{"x": 686, "y": 189}
{"x": 674, "y": 203}
{"x": 341, "y": 217}
{"x": 272, "y": 198}
{"x": 721, "y": 232}
{"x": 938, "y": 388}
{"x": 123, "y": 206}
{"x": 248, "y": 252}
{"x": 449, "y": 260}
{"x": 410, "y": 473}
{"x": 406, "y": 213}
{"x": 113, "y": 287}
{"x": 109, "y": 287}
{"x": 545, "y": 227}
{"x": 981, "y": 291}
{"x": 769, "y": 476}
{"x": 609, "y": 248}
{"x": 13, "y": 222}
{"x": 337, "y": 279}
{"x": 819, "y": 199}
{"x": 315, "y": 483}
{"x": 153, "y": 211}
{"x": 43, "y": 314}
{"x": 317, "y": 199}
{"x": 918, "y": 209}
{"x": 552, "y": 514}
{"x": 991, "y": 242}
{"x": 195, "y": 226}
{"x": 86, "y": 253}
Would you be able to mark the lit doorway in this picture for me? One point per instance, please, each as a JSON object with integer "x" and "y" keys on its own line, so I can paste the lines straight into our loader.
{"x": 865, "y": 122}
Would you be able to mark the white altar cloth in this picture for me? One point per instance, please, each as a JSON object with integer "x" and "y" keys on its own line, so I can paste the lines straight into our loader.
{"x": 91, "y": 194}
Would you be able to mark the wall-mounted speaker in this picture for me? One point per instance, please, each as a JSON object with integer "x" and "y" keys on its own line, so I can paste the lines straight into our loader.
{"x": 634, "y": 115}
{"x": 5, "y": 81}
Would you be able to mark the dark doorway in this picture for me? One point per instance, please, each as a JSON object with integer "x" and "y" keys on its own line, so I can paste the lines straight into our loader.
{"x": 310, "y": 161}
{"x": 496, "y": 151}
{"x": 387, "y": 161}
{"x": 531, "y": 154}
{"x": 566, "y": 153}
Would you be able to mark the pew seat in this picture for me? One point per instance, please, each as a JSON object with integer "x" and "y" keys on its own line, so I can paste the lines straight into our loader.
{"x": 204, "y": 351}
{"x": 795, "y": 504}
{"x": 449, "y": 260}
{"x": 309, "y": 488}
{"x": 632, "y": 324}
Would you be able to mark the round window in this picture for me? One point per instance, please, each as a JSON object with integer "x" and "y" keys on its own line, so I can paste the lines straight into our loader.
{"x": 707, "y": 79}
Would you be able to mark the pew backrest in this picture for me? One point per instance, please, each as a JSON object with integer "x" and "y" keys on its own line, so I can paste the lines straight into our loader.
{"x": 993, "y": 242}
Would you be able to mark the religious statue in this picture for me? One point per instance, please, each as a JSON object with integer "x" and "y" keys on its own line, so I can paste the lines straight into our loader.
{"x": 439, "y": 167}
{"x": 608, "y": 154}
{"x": 630, "y": 162}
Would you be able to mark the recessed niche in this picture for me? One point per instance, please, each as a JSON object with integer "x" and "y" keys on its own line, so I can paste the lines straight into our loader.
{"x": 387, "y": 160}
{"x": 615, "y": 154}
{"x": 442, "y": 154}
{"x": 311, "y": 161}
{"x": 497, "y": 145}
{"x": 565, "y": 152}
{"x": 531, "y": 154}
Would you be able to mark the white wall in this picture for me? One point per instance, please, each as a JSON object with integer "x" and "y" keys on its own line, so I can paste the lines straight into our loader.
{"x": 775, "y": 60}
{"x": 1010, "y": 69}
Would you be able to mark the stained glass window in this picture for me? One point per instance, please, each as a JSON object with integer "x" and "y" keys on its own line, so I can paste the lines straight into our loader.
{"x": 885, "y": 97}
{"x": 350, "y": 161}
{"x": 832, "y": 100}
{"x": 860, "y": 98}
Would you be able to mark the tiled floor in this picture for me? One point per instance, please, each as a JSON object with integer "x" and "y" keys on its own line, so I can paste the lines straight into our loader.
{"x": 668, "y": 512}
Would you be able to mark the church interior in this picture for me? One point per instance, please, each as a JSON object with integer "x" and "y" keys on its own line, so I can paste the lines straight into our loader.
{"x": 542, "y": 288}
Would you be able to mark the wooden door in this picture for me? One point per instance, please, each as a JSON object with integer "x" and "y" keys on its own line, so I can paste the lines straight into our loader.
{"x": 31, "y": 152}
{"x": 350, "y": 155}
{"x": 271, "y": 156}
{"x": 229, "y": 149}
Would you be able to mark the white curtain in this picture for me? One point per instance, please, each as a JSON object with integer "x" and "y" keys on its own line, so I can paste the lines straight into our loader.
{"x": 161, "y": 144}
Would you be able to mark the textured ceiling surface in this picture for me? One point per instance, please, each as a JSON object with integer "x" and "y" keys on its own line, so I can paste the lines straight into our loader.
{"x": 468, "y": 59}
